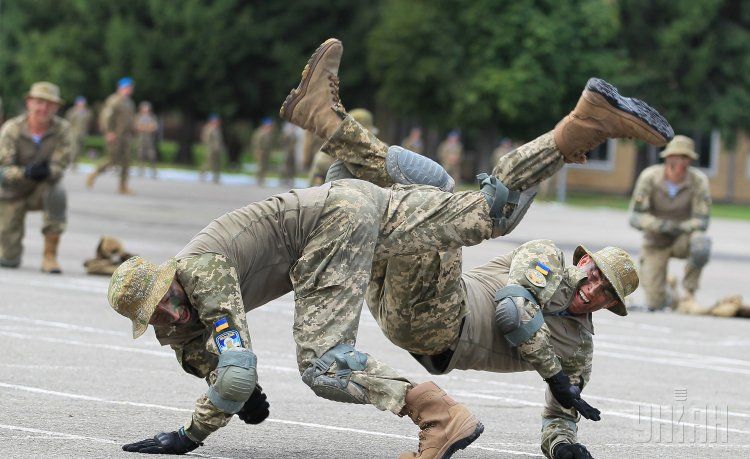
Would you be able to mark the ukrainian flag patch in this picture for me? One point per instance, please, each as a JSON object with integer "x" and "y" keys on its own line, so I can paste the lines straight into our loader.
{"x": 542, "y": 268}
{"x": 221, "y": 324}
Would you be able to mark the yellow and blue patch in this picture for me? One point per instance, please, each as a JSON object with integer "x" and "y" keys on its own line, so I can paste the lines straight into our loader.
{"x": 221, "y": 324}
{"x": 542, "y": 268}
{"x": 228, "y": 340}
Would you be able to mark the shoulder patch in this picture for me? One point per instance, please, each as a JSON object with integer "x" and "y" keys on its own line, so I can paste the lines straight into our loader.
{"x": 221, "y": 324}
{"x": 536, "y": 278}
{"x": 227, "y": 340}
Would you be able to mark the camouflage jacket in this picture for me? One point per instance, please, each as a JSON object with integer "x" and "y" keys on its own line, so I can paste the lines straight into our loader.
{"x": 79, "y": 119}
{"x": 18, "y": 150}
{"x": 117, "y": 115}
{"x": 662, "y": 217}
{"x": 212, "y": 140}
{"x": 564, "y": 341}
{"x": 262, "y": 140}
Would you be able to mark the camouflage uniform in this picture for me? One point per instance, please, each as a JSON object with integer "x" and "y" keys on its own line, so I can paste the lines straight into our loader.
{"x": 449, "y": 155}
{"x": 311, "y": 145}
{"x": 145, "y": 146}
{"x": 18, "y": 194}
{"x": 80, "y": 120}
{"x": 670, "y": 225}
{"x": 289, "y": 144}
{"x": 213, "y": 142}
{"x": 117, "y": 116}
{"x": 262, "y": 145}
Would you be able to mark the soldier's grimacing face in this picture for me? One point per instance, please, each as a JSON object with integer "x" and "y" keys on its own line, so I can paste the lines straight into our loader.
{"x": 594, "y": 293}
{"x": 174, "y": 308}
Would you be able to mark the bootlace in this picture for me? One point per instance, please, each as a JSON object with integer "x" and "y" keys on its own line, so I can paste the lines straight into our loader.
{"x": 333, "y": 83}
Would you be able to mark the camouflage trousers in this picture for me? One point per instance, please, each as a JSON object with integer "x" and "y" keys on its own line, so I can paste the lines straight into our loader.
{"x": 145, "y": 152}
{"x": 118, "y": 154}
{"x": 653, "y": 273}
{"x": 51, "y": 199}
{"x": 365, "y": 154}
{"x": 290, "y": 165}
{"x": 262, "y": 157}
{"x": 212, "y": 163}
{"x": 362, "y": 224}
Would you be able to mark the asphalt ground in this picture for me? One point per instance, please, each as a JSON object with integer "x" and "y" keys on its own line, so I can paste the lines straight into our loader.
{"x": 73, "y": 383}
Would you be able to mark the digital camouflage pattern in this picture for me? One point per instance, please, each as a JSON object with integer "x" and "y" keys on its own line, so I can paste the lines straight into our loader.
{"x": 19, "y": 195}
{"x": 668, "y": 223}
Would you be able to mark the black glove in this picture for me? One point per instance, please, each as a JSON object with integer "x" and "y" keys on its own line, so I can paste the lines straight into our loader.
{"x": 570, "y": 451}
{"x": 37, "y": 171}
{"x": 164, "y": 443}
{"x": 569, "y": 396}
{"x": 256, "y": 407}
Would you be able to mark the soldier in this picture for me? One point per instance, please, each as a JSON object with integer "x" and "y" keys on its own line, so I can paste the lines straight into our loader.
{"x": 146, "y": 126}
{"x": 321, "y": 242}
{"x": 79, "y": 117}
{"x": 413, "y": 142}
{"x": 323, "y": 162}
{"x": 213, "y": 143}
{"x": 449, "y": 153}
{"x": 35, "y": 149}
{"x": 116, "y": 122}
{"x": 262, "y": 145}
{"x": 671, "y": 205}
{"x": 289, "y": 144}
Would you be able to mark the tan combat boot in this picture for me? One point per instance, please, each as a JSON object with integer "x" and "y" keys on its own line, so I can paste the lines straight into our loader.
{"x": 314, "y": 105}
{"x": 49, "y": 259}
{"x": 446, "y": 426}
{"x": 602, "y": 113}
{"x": 90, "y": 179}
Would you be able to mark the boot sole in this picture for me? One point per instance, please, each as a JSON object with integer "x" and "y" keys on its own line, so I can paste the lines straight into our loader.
{"x": 291, "y": 101}
{"x": 464, "y": 442}
{"x": 644, "y": 113}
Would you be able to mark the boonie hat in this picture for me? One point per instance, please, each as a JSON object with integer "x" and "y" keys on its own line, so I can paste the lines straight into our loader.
{"x": 619, "y": 269}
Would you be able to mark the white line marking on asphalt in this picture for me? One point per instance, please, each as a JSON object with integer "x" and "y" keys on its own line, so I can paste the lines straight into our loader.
{"x": 171, "y": 408}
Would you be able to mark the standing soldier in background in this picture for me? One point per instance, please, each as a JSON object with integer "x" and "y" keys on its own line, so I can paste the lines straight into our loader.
{"x": 414, "y": 141}
{"x": 323, "y": 161}
{"x": 262, "y": 144}
{"x": 449, "y": 155}
{"x": 116, "y": 122}
{"x": 671, "y": 204}
{"x": 289, "y": 144}
{"x": 35, "y": 149}
{"x": 146, "y": 126}
{"x": 213, "y": 142}
{"x": 311, "y": 144}
{"x": 79, "y": 117}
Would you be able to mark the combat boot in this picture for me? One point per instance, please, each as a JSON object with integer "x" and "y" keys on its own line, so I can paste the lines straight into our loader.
{"x": 446, "y": 426}
{"x": 49, "y": 259}
{"x": 602, "y": 113}
{"x": 90, "y": 179}
{"x": 314, "y": 104}
{"x": 124, "y": 188}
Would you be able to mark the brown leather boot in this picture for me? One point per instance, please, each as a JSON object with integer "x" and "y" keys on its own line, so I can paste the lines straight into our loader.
{"x": 49, "y": 259}
{"x": 446, "y": 426}
{"x": 314, "y": 104}
{"x": 602, "y": 113}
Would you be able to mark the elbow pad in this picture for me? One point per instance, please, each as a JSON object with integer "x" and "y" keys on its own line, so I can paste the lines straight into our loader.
{"x": 508, "y": 301}
{"x": 236, "y": 380}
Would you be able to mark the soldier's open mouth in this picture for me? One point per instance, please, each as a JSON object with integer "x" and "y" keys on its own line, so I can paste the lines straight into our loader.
{"x": 583, "y": 297}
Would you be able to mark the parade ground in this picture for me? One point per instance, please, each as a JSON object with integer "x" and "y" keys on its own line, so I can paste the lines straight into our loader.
{"x": 73, "y": 382}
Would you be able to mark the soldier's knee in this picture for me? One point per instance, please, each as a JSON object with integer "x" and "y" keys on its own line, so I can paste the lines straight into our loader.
{"x": 700, "y": 249}
{"x": 330, "y": 375}
{"x": 56, "y": 202}
{"x": 235, "y": 380}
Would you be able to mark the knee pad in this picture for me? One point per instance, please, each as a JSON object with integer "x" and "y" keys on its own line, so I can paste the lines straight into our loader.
{"x": 507, "y": 207}
{"x": 337, "y": 386}
{"x": 700, "y": 249}
{"x": 235, "y": 381}
{"x": 338, "y": 171}
{"x": 409, "y": 168}
{"x": 508, "y": 301}
{"x": 56, "y": 202}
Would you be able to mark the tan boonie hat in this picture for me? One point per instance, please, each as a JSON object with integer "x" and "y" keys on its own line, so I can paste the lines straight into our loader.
{"x": 136, "y": 288}
{"x": 109, "y": 247}
{"x": 46, "y": 91}
{"x": 618, "y": 268}
{"x": 364, "y": 117}
{"x": 680, "y": 145}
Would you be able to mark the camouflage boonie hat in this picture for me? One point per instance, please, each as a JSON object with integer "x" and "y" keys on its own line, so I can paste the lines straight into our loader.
{"x": 680, "y": 145}
{"x": 618, "y": 268}
{"x": 136, "y": 288}
{"x": 46, "y": 91}
{"x": 364, "y": 117}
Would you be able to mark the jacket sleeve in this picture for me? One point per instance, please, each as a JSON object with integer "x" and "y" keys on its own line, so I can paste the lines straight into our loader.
{"x": 701, "y": 204}
{"x": 10, "y": 173}
{"x": 537, "y": 350}
{"x": 640, "y": 206}
{"x": 213, "y": 288}
{"x": 560, "y": 424}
